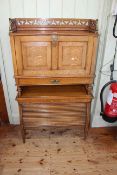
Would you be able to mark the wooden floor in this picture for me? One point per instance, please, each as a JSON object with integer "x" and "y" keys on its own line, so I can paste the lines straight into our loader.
{"x": 61, "y": 151}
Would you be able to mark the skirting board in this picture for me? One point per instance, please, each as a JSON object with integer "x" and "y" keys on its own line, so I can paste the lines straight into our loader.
{"x": 15, "y": 119}
{"x": 99, "y": 122}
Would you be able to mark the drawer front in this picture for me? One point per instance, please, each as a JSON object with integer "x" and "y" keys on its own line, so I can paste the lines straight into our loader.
{"x": 57, "y": 114}
{"x": 54, "y": 81}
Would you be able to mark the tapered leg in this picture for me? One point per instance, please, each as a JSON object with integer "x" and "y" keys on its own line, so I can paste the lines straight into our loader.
{"x": 23, "y": 133}
{"x": 87, "y": 120}
{"x": 21, "y": 124}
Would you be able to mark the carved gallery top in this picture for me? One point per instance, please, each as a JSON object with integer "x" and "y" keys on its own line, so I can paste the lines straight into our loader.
{"x": 39, "y": 24}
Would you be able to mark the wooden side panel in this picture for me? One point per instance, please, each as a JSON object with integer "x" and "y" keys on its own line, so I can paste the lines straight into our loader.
{"x": 90, "y": 55}
{"x": 93, "y": 64}
{"x": 13, "y": 55}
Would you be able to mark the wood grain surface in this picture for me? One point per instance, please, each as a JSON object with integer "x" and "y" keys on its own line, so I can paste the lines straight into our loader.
{"x": 58, "y": 151}
{"x": 61, "y": 114}
{"x": 54, "y": 52}
{"x": 46, "y": 48}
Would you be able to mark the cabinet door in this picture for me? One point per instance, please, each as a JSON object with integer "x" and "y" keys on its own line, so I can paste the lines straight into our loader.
{"x": 33, "y": 55}
{"x": 75, "y": 55}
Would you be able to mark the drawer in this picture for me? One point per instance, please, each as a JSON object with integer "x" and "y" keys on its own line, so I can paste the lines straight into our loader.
{"x": 57, "y": 114}
{"x": 54, "y": 81}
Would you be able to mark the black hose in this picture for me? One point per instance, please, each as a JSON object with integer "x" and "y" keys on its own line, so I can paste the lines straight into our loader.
{"x": 114, "y": 27}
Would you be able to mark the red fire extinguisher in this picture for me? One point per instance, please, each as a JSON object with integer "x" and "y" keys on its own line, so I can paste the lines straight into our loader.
{"x": 111, "y": 104}
{"x": 109, "y": 112}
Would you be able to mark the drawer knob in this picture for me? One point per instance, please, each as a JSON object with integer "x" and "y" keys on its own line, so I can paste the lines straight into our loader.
{"x": 55, "y": 81}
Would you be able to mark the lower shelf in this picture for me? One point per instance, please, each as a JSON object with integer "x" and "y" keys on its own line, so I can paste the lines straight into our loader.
{"x": 62, "y": 93}
{"x": 54, "y": 106}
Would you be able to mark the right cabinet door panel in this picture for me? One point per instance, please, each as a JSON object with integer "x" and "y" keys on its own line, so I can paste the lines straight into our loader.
{"x": 75, "y": 55}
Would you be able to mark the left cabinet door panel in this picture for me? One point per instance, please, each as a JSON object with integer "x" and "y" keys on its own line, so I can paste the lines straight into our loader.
{"x": 33, "y": 54}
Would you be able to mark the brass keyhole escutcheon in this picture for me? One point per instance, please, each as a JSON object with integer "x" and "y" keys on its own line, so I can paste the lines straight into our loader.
{"x": 54, "y": 40}
{"x": 55, "y": 81}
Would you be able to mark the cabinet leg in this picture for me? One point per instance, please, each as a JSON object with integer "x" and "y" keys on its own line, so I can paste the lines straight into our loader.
{"x": 21, "y": 124}
{"x": 87, "y": 121}
{"x": 23, "y": 133}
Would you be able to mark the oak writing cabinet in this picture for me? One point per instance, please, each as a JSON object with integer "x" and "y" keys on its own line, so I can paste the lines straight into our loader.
{"x": 54, "y": 64}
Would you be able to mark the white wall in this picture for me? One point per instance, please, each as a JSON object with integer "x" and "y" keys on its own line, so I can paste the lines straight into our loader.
{"x": 104, "y": 77}
{"x": 97, "y": 9}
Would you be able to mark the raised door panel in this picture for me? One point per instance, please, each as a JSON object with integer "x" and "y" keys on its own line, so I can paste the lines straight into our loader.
{"x": 72, "y": 55}
{"x": 33, "y": 54}
{"x": 36, "y": 55}
{"x": 75, "y": 55}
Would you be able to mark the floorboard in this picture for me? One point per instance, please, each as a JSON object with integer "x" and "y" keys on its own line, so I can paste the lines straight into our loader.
{"x": 58, "y": 151}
